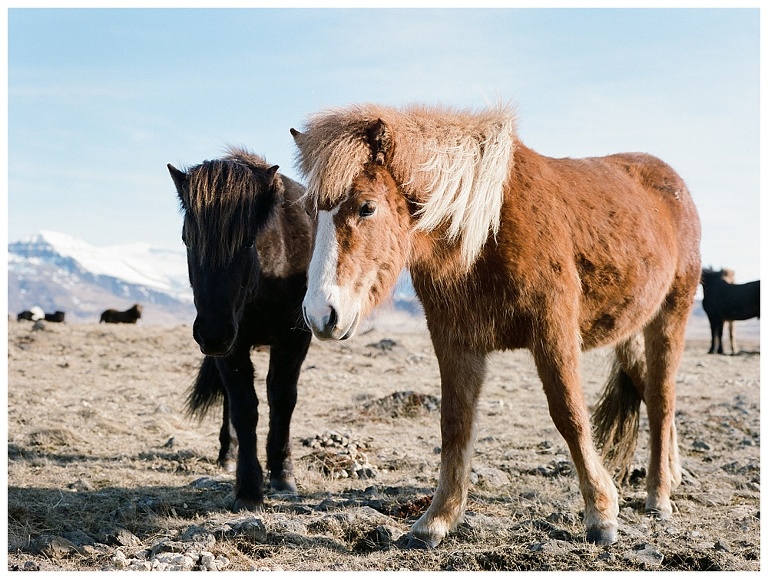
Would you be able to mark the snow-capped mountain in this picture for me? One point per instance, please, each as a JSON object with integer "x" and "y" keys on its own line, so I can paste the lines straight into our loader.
{"x": 56, "y": 271}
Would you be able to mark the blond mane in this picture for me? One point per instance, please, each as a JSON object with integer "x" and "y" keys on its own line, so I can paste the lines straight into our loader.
{"x": 453, "y": 164}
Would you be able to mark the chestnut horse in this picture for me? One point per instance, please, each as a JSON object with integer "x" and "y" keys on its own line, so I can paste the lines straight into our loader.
{"x": 510, "y": 249}
{"x": 248, "y": 247}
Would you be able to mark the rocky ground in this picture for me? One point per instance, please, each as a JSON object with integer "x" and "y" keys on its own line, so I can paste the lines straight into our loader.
{"x": 105, "y": 472}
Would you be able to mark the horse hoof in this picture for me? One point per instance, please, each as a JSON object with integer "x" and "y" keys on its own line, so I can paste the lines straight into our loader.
{"x": 228, "y": 465}
{"x": 601, "y": 536}
{"x": 415, "y": 542}
{"x": 247, "y": 505}
{"x": 657, "y": 514}
{"x": 284, "y": 486}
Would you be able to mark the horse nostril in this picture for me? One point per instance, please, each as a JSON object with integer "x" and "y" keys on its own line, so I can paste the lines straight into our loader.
{"x": 332, "y": 319}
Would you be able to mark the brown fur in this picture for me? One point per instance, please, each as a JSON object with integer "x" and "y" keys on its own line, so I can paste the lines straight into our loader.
{"x": 588, "y": 252}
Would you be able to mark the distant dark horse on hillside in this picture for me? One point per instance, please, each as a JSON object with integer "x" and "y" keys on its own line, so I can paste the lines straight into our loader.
{"x": 248, "y": 248}
{"x": 727, "y": 301}
{"x": 129, "y": 316}
{"x": 57, "y": 317}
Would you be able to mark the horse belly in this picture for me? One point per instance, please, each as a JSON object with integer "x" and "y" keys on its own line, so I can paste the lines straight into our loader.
{"x": 617, "y": 304}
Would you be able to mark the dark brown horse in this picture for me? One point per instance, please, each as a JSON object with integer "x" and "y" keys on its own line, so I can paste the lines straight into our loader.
{"x": 510, "y": 249}
{"x": 129, "y": 316}
{"x": 248, "y": 246}
{"x": 57, "y": 317}
{"x": 725, "y": 301}
{"x": 32, "y": 315}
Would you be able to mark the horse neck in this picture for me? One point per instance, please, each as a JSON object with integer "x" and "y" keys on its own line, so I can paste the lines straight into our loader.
{"x": 433, "y": 259}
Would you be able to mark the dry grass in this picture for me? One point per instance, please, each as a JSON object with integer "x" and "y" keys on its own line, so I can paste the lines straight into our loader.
{"x": 98, "y": 443}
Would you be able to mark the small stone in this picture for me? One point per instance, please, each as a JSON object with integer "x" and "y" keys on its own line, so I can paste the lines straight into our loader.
{"x": 53, "y": 546}
{"x": 199, "y": 536}
{"x": 701, "y": 446}
{"x": 81, "y": 485}
{"x": 253, "y": 529}
{"x": 488, "y": 476}
{"x": 119, "y": 536}
{"x": 645, "y": 553}
{"x": 554, "y": 546}
{"x": 327, "y": 505}
{"x": 382, "y": 538}
{"x": 79, "y": 538}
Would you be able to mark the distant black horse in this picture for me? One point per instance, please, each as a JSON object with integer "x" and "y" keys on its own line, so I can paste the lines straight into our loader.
{"x": 727, "y": 301}
{"x": 57, "y": 316}
{"x": 248, "y": 244}
{"x": 30, "y": 315}
{"x": 129, "y": 316}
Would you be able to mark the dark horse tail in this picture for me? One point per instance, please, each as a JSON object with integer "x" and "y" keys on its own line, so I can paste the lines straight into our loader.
{"x": 207, "y": 389}
{"x": 616, "y": 420}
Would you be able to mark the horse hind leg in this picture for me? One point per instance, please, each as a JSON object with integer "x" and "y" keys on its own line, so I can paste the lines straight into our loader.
{"x": 730, "y": 336}
{"x": 558, "y": 362}
{"x": 616, "y": 417}
{"x": 227, "y": 441}
{"x": 664, "y": 344}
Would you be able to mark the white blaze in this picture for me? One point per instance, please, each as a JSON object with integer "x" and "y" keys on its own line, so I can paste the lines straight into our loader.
{"x": 322, "y": 283}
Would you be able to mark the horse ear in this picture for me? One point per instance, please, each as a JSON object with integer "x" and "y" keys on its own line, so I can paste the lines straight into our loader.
{"x": 269, "y": 199}
{"x": 276, "y": 185}
{"x": 271, "y": 172}
{"x": 380, "y": 141}
{"x": 180, "y": 179}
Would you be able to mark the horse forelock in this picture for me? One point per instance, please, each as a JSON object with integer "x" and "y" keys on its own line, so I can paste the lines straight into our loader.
{"x": 453, "y": 164}
{"x": 219, "y": 202}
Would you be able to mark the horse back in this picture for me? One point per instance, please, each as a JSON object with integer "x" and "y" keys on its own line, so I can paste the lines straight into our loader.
{"x": 726, "y": 301}
{"x": 603, "y": 240}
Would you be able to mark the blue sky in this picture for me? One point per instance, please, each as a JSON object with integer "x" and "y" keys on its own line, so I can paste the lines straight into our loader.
{"x": 99, "y": 100}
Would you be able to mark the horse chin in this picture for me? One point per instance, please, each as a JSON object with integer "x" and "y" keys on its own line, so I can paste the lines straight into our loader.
{"x": 216, "y": 348}
{"x": 218, "y": 352}
{"x": 337, "y": 332}
{"x": 352, "y": 329}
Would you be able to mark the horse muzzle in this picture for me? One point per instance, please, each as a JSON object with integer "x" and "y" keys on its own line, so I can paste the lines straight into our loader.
{"x": 329, "y": 327}
{"x": 214, "y": 340}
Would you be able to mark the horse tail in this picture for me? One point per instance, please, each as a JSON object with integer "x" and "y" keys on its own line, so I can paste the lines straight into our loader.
{"x": 207, "y": 389}
{"x": 616, "y": 421}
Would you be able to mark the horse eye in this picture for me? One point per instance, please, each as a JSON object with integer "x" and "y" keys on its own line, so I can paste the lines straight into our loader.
{"x": 249, "y": 244}
{"x": 367, "y": 209}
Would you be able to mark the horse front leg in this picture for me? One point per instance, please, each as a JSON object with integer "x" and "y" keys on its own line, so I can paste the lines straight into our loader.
{"x": 461, "y": 378}
{"x": 237, "y": 375}
{"x": 285, "y": 361}
{"x": 558, "y": 360}
{"x": 716, "y": 328}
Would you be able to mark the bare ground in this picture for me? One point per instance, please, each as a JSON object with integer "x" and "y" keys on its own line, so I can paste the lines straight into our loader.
{"x": 106, "y": 472}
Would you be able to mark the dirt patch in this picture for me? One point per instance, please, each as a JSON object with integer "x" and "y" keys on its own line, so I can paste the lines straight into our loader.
{"x": 106, "y": 472}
